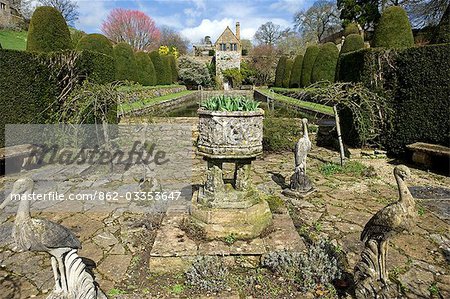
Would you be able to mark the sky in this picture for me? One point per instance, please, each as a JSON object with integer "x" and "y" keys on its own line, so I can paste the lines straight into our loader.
{"x": 195, "y": 19}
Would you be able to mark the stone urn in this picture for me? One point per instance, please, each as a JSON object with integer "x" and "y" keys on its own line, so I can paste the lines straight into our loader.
{"x": 230, "y": 207}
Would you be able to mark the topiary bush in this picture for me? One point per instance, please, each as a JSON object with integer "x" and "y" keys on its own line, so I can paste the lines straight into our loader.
{"x": 324, "y": 68}
{"x": 145, "y": 69}
{"x": 173, "y": 68}
{"x": 296, "y": 72}
{"x": 393, "y": 29}
{"x": 351, "y": 28}
{"x": 48, "y": 31}
{"x": 126, "y": 67}
{"x": 287, "y": 73}
{"x": 161, "y": 68}
{"x": 352, "y": 42}
{"x": 76, "y": 35}
{"x": 280, "y": 134}
{"x": 167, "y": 74}
{"x": 279, "y": 72}
{"x": 97, "y": 43}
{"x": 308, "y": 63}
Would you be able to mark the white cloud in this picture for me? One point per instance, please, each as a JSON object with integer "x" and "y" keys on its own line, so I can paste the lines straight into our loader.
{"x": 191, "y": 12}
{"x": 92, "y": 14}
{"x": 291, "y": 6}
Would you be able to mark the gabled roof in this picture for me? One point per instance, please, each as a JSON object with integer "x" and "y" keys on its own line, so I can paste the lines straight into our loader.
{"x": 228, "y": 28}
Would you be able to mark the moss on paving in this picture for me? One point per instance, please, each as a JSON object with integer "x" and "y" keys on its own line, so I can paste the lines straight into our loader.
{"x": 302, "y": 104}
{"x": 144, "y": 103}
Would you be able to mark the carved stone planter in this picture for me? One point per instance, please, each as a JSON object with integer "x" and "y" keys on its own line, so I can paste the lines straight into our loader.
{"x": 230, "y": 135}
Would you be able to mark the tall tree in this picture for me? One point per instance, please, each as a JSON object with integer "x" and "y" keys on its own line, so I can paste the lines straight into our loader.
{"x": 268, "y": 34}
{"x": 264, "y": 60}
{"x": 68, "y": 8}
{"x": 171, "y": 38}
{"x": 319, "y": 21}
{"x": 132, "y": 27}
{"x": 426, "y": 12}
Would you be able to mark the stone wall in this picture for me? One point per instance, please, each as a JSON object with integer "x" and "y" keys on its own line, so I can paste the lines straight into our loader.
{"x": 9, "y": 17}
{"x": 227, "y": 60}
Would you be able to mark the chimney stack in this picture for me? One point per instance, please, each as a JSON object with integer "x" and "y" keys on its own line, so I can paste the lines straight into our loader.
{"x": 238, "y": 30}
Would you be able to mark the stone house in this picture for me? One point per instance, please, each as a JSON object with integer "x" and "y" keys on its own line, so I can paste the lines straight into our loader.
{"x": 228, "y": 50}
{"x": 9, "y": 13}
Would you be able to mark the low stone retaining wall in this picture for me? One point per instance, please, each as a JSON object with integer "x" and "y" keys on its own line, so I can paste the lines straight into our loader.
{"x": 136, "y": 95}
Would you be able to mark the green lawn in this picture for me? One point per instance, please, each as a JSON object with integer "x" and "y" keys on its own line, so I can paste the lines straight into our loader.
{"x": 15, "y": 40}
{"x": 303, "y": 104}
{"x": 127, "y": 107}
{"x": 139, "y": 87}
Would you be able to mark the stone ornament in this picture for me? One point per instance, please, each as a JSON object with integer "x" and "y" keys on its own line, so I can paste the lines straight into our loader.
{"x": 371, "y": 277}
{"x": 72, "y": 281}
{"x": 300, "y": 185}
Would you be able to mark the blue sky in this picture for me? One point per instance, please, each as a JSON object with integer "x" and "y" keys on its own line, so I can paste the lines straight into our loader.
{"x": 197, "y": 18}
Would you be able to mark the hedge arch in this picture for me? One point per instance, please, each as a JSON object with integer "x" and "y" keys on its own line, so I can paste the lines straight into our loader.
{"x": 287, "y": 73}
{"x": 126, "y": 67}
{"x": 97, "y": 43}
{"x": 48, "y": 31}
{"x": 296, "y": 72}
{"x": 307, "y": 65}
{"x": 353, "y": 42}
{"x": 279, "y": 72}
{"x": 324, "y": 68}
{"x": 393, "y": 29}
{"x": 145, "y": 69}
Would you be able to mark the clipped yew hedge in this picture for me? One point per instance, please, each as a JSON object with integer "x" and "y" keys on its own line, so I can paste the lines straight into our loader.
{"x": 351, "y": 28}
{"x": 279, "y": 72}
{"x": 415, "y": 82}
{"x": 393, "y": 29}
{"x": 352, "y": 42}
{"x": 308, "y": 63}
{"x": 126, "y": 67}
{"x": 296, "y": 72}
{"x": 97, "y": 43}
{"x": 162, "y": 68}
{"x": 146, "y": 71}
{"x": 287, "y": 73}
{"x": 324, "y": 68}
{"x": 48, "y": 31}
{"x": 173, "y": 68}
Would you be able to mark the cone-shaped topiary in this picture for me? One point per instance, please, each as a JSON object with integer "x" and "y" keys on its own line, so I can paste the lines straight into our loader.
{"x": 167, "y": 69}
{"x": 97, "y": 43}
{"x": 126, "y": 67}
{"x": 324, "y": 68}
{"x": 287, "y": 73}
{"x": 173, "y": 68}
{"x": 296, "y": 72}
{"x": 145, "y": 69}
{"x": 160, "y": 69}
{"x": 279, "y": 72}
{"x": 48, "y": 31}
{"x": 351, "y": 28}
{"x": 352, "y": 43}
{"x": 308, "y": 63}
{"x": 393, "y": 29}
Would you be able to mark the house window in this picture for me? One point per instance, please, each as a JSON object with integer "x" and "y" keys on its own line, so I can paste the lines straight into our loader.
{"x": 223, "y": 47}
{"x": 3, "y": 6}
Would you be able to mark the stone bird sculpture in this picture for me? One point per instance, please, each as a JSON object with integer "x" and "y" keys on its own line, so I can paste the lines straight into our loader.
{"x": 371, "y": 276}
{"x": 41, "y": 235}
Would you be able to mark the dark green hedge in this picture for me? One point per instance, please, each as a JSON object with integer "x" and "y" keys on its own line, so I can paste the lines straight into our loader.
{"x": 146, "y": 71}
{"x": 29, "y": 87}
{"x": 415, "y": 82}
{"x": 351, "y": 28}
{"x": 296, "y": 72}
{"x": 308, "y": 63}
{"x": 352, "y": 42}
{"x": 173, "y": 68}
{"x": 287, "y": 73}
{"x": 126, "y": 67}
{"x": 324, "y": 68}
{"x": 48, "y": 31}
{"x": 97, "y": 43}
{"x": 162, "y": 68}
{"x": 167, "y": 74}
{"x": 393, "y": 29}
{"x": 279, "y": 72}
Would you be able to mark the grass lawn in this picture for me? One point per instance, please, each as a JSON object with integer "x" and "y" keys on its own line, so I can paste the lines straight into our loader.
{"x": 15, "y": 40}
{"x": 126, "y": 107}
{"x": 139, "y": 87}
{"x": 303, "y": 104}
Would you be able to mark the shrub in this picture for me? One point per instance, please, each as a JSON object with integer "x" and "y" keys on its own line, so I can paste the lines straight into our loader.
{"x": 173, "y": 68}
{"x": 296, "y": 72}
{"x": 160, "y": 68}
{"x": 99, "y": 68}
{"x": 308, "y": 63}
{"x": 352, "y": 42}
{"x": 393, "y": 29}
{"x": 234, "y": 75}
{"x": 126, "y": 67}
{"x": 145, "y": 69}
{"x": 75, "y": 36}
{"x": 193, "y": 73}
{"x": 287, "y": 73}
{"x": 324, "y": 68}
{"x": 280, "y": 134}
{"x": 279, "y": 73}
{"x": 97, "y": 43}
{"x": 351, "y": 28}
{"x": 167, "y": 73}
{"x": 208, "y": 274}
{"x": 48, "y": 31}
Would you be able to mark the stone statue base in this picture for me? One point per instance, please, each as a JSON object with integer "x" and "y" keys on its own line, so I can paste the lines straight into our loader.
{"x": 300, "y": 186}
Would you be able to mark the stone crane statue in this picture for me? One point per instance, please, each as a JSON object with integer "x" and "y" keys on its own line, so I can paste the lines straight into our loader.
{"x": 300, "y": 185}
{"x": 371, "y": 276}
{"x": 41, "y": 235}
